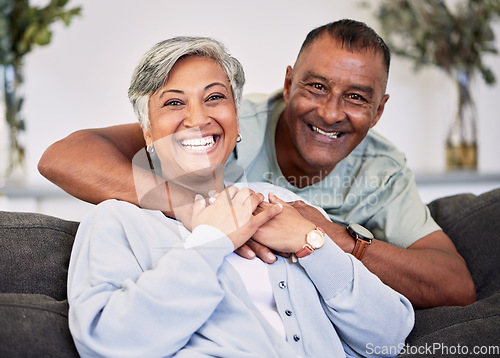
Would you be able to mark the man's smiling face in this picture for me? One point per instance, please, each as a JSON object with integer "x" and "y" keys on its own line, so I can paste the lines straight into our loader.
{"x": 334, "y": 96}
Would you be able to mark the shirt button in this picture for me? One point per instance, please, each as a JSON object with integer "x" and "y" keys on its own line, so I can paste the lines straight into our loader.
{"x": 288, "y": 313}
{"x": 296, "y": 337}
{"x": 282, "y": 284}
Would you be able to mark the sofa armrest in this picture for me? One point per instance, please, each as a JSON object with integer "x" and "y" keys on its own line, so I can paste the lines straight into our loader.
{"x": 34, "y": 325}
{"x": 34, "y": 253}
{"x": 472, "y": 224}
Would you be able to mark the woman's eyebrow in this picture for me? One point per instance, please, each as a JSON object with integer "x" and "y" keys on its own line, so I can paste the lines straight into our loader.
{"x": 216, "y": 84}
{"x": 181, "y": 92}
{"x": 170, "y": 91}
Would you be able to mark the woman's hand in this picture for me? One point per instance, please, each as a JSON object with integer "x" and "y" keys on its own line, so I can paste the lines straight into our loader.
{"x": 232, "y": 212}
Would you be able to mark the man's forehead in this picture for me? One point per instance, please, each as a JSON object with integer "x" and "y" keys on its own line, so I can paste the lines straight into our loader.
{"x": 327, "y": 52}
{"x": 326, "y": 44}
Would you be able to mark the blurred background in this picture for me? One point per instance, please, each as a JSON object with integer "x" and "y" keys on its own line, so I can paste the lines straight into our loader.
{"x": 80, "y": 80}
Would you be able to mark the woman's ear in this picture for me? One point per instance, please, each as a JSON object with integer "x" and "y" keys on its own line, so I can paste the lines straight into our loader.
{"x": 148, "y": 137}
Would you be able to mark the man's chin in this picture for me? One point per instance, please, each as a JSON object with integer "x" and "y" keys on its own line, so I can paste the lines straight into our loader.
{"x": 321, "y": 166}
{"x": 323, "y": 157}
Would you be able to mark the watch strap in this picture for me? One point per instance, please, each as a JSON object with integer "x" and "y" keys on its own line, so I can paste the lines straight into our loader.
{"x": 360, "y": 248}
{"x": 306, "y": 250}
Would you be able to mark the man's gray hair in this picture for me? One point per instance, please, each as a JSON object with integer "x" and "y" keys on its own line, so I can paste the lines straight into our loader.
{"x": 152, "y": 72}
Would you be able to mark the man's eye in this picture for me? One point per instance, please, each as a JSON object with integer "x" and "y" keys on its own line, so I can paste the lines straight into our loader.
{"x": 317, "y": 86}
{"x": 356, "y": 97}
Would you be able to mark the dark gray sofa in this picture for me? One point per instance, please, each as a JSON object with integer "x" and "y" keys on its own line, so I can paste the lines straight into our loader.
{"x": 35, "y": 250}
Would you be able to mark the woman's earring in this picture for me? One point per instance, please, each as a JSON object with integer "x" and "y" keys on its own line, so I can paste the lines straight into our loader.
{"x": 150, "y": 148}
{"x": 239, "y": 138}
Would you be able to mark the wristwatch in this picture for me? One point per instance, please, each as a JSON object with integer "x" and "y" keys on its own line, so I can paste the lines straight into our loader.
{"x": 314, "y": 240}
{"x": 363, "y": 239}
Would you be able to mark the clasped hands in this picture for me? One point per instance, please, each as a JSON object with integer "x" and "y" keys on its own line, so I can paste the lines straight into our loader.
{"x": 256, "y": 227}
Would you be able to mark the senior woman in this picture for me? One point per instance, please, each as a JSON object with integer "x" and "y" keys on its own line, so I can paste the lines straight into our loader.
{"x": 143, "y": 284}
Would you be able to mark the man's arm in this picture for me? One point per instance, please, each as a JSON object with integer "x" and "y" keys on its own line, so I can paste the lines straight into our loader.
{"x": 95, "y": 164}
{"x": 429, "y": 273}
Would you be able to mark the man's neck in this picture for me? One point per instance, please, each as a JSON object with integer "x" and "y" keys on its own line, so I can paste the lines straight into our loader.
{"x": 295, "y": 169}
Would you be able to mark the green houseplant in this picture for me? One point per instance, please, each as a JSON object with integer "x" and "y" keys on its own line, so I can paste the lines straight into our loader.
{"x": 454, "y": 36}
{"x": 22, "y": 27}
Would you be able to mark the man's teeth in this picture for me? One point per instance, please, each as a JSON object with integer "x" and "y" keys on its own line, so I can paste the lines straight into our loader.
{"x": 198, "y": 143}
{"x": 328, "y": 134}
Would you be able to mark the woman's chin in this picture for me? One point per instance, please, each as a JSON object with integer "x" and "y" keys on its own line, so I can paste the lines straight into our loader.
{"x": 197, "y": 178}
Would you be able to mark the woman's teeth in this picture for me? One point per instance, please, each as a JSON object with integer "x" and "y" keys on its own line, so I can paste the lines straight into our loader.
{"x": 199, "y": 143}
{"x": 327, "y": 134}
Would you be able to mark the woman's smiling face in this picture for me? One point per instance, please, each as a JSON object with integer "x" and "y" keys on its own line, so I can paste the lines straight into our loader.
{"x": 193, "y": 119}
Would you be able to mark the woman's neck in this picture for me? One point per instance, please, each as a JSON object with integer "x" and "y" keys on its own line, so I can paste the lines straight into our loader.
{"x": 182, "y": 192}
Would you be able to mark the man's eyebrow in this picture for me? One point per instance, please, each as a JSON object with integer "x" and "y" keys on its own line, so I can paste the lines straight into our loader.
{"x": 368, "y": 90}
{"x": 309, "y": 74}
{"x": 181, "y": 92}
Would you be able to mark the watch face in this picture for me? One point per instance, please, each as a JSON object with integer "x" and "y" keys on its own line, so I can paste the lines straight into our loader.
{"x": 361, "y": 231}
{"x": 316, "y": 239}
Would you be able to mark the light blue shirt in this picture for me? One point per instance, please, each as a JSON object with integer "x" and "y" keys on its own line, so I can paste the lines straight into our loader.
{"x": 135, "y": 290}
{"x": 372, "y": 186}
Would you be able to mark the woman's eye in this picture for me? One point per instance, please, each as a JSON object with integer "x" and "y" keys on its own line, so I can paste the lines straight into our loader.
{"x": 215, "y": 97}
{"x": 173, "y": 103}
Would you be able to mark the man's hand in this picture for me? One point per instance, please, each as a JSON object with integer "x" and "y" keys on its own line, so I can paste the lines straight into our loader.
{"x": 285, "y": 233}
{"x": 310, "y": 213}
{"x": 253, "y": 248}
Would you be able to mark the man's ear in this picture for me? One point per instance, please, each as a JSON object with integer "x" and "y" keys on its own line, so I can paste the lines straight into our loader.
{"x": 380, "y": 110}
{"x": 288, "y": 83}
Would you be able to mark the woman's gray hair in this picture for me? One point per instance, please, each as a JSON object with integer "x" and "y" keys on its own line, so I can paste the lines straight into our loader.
{"x": 152, "y": 72}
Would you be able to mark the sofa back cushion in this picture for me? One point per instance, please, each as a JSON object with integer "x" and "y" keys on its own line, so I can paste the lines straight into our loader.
{"x": 472, "y": 222}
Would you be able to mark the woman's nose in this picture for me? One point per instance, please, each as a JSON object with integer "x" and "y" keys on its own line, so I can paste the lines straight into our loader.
{"x": 197, "y": 116}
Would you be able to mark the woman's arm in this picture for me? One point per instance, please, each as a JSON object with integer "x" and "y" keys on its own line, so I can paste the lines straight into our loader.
{"x": 367, "y": 314}
{"x": 95, "y": 164}
{"x": 363, "y": 309}
{"x": 133, "y": 289}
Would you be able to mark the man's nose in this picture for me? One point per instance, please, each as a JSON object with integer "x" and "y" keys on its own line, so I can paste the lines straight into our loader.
{"x": 331, "y": 109}
{"x": 197, "y": 116}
